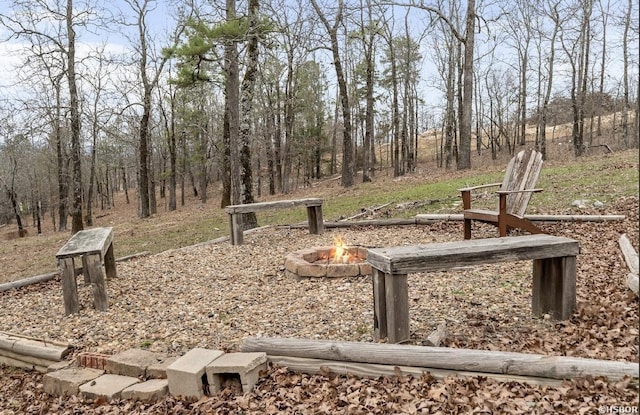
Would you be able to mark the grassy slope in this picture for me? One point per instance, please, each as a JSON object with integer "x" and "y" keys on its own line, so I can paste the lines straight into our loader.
{"x": 598, "y": 177}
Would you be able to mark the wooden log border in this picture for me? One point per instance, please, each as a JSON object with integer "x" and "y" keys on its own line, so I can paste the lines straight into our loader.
{"x": 374, "y": 370}
{"x": 52, "y": 275}
{"x": 468, "y": 360}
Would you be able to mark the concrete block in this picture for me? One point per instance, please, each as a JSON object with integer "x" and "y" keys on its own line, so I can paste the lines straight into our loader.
{"x": 107, "y": 387}
{"x": 247, "y": 365}
{"x": 68, "y": 381}
{"x": 149, "y": 391}
{"x": 159, "y": 370}
{"x": 132, "y": 362}
{"x": 187, "y": 377}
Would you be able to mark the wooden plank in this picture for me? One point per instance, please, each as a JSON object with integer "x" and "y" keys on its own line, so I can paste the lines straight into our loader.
{"x": 69, "y": 287}
{"x": 98, "y": 285}
{"x": 629, "y": 253}
{"x": 511, "y": 363}
{"x": 110, "y": 263}
{"x": 379, "y": 306}
{"x": 397, "y": 307}
{"x": 374, "y": 370}
{"x": 427, "y": 218}
{"x": 276, "y": 204}
{"x": 91, "y": 241}
{"x": 445, "y": 255}
{"x": 316, "y": 222}
{"x": 554, "y": 287}
{"x": 235, "y": 225}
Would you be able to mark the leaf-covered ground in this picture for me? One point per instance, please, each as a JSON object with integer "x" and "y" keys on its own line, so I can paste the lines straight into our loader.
{"x": 209, "y": 296}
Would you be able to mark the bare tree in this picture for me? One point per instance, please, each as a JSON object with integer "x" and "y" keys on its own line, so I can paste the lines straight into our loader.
{"x": 347, "y": 141}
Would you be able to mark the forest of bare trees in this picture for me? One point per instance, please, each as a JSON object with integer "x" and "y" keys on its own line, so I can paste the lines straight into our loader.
{"x": 164, "y": 99}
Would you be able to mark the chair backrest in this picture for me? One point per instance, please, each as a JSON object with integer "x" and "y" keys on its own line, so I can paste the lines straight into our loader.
{"x": 522, "y": 173}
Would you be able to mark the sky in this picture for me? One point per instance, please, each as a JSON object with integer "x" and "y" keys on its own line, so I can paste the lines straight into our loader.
{"x": 162, "y": 20}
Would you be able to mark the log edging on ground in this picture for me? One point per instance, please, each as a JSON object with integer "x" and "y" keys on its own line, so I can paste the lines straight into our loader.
{"x": 374, "y": 370}
{"x": 631, "y": 258}
{"x": 468, "y": 360}
{"x": 48, "y": 277}
{"x": 29, "y": 352}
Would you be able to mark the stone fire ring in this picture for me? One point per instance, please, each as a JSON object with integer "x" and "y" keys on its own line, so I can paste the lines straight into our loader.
{"x": 313, "y": 263}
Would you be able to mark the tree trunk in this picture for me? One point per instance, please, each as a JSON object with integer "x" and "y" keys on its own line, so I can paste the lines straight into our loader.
{"x": 232, "y": 108}
{"x": 76, "y": 207}
{"x": 464, "y": 162}
{"x": 246, "y": 104}
{"x": 347, "y": 142}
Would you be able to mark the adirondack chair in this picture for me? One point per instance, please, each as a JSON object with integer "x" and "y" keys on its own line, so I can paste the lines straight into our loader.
{"x": 513, "y": 197}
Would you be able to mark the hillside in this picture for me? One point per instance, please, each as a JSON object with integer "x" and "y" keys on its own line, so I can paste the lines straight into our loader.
{"x": 600, "y": 176}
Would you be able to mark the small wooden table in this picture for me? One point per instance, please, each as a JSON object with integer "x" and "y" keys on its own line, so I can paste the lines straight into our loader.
{"x": 93, "y": 246}
{"x": 314, "y": 215}
{"x": 554, "y": 274}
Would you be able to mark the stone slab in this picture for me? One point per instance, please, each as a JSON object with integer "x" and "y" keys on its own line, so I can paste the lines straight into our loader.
{"x": 159, "y": 370}
{"x": 65, "y": 364}
{"x": 68, "y": 381}
{"x": 107, "y": 387}
{"x": 187, "y": 376}
{"x": 150, "y": 391}
{"x": 132, "y": 362}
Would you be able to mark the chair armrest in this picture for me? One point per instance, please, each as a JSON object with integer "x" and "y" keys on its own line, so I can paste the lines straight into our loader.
{"x": 507, "y": 192}
{"x": 468, "y": 189}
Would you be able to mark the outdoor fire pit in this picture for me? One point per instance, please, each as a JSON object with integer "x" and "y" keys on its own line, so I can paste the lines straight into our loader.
{"x": 328, "y": 261}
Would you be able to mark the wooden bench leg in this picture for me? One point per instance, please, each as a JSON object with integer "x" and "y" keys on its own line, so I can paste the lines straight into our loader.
{"x": 69, "y": 286}
{"x": 110, "y": 263}
{"x": 467, "y": 229}
{"x": 397, "y": 304}
{"x": 235, "y": 224}
{"x": 379, "y": 306}
{"x": 316, "y": 222}
{"x": 554, "y": 287}
{"x": 98, "y": 285}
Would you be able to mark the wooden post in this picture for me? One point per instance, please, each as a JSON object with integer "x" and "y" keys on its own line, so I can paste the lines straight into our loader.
{"x": 235, "y": 224}
{"x": 85, "y": 271}
{"x": 502, "y": 215}
{"x": 110, "y": 263}
{"x": 98, "y": 286}
{"x": 397, "y": 304}
{"x": 379, "y": 305}
{"x": 69, "y": 287}
{"x": 554, "y": 287}
{"x": 316, "y": 223}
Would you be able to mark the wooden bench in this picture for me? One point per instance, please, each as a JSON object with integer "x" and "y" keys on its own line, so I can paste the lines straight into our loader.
{"x": 93, "y": 246}
{"x": 314, "y": 215}
{"x": 554, "y": 274}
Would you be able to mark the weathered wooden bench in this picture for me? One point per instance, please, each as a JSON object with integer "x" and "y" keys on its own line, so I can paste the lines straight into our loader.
{"x": 93, "y": 246}
{"x": 554, "y": 274}
{"x": 314, "y": 215}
